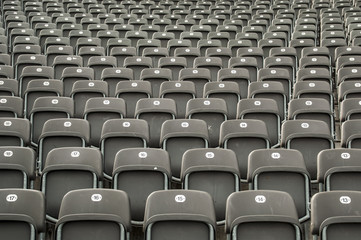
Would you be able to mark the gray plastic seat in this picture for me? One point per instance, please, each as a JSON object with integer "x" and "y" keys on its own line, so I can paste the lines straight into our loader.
{"x": 211, "y": 110}
{"x": 335, "y": 215}
{"x": 40, "y": 88}
{"x": 187, "y": 214}
{"x": 46, "y": 108}
{"x": 349, "y": 89}
{"x": 155, "y": 111}
{"x": 83, "y": 90}
{"x": 98, "y": 110}
{"x": 66, "y": 169}
{"x": 21, "y": 218}
{"x": 281, "y": 170}
{"x": 131, "y": 92}
{"x": 350, "y": 109}
{"x": 11, "y": 106}
{"x": 178, "y": 136}
{"x": 262, "y": 214}
{"x": 17, "y": 167}
{"x": 114, "y": 75}
{"x": 350, "y": 134}
{"x": 312, "y": 108}
{"x": 14, "y": 132}
{"x": 180, "y": 92}
{"x": 262, "y": 109}
{"x": 338, "y": 169}
{"x": 243, "y": 136}
{"x": 214, "y": 171}
{"x": 8, "y": 87}
{"x": 61, "y": 132}
{"x": 118, "y": 134}
{"x": 139, "y": 172}
{"x": 156, "y": 76}
{"x": 94, "y": 213}
{"x": 199, "y": 76}
{"x": 309, "y": 137}
{"x": 271, "y": 90}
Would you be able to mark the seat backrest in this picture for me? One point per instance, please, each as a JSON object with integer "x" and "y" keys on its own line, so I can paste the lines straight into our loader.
{"x": 211, "y": 110}
{"x": 118, "y": 134}
{"x": 94, "y": 212}
{"x": 214, "y": 171}
{"x": 243, "y": 136}
{"x": 309, "y": 137}
{"x": 62, "y": 132}
{"x": 139, "y": 172}
{"x": 252, "y": 214}
{"x": 338, "y": 169}
{"x": 268, "y": 169}
{"x": 17, "y": 166}
{"x": 335, "y": 214}
{"x": 262, "y": 109}
{"x": 18, "y": 213}
{"x": 14, "y": 132}
{"x": 46, "y": 108}
{"x": 193, "y": 210}
{"x": 66, "y": 169}
{"x": 155, "y": 111}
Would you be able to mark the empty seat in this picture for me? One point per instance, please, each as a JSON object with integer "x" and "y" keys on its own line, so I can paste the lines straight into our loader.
{"x": 21, "y": 218}
{"x": 213, "y": 64}
{"x": 281, "y": 170}
{"x": 198, "y": 76}
{"x": 187, "y": 214}
{"x": 17, "y": 167}
{"x": 314, "y": 89}
{"x": 189, "y": 53}
{"x": 99, "y": 63}
{"x": 335, "y": 215}
{"x": 63, "y": 61}
{"x": 175, "y": 64}
{"x": 243, "y": 136}
{"x": 98, "y": 110}
{"x": 350, "y": 134}
{"x": 118, "y": 134}
{"x": 180, "y": 92}
{"x": 11, "y": 107}
{"x": 309, "y": 137}
{"x": 214, "y": 171}
{"x": 139, "y": 172}
{"x": 312, "y": 108}
{"x": 338, "y": 169}
{"x": 262, "y": 214}
{"x": 131, "y": 92}
{"x": 40, "y": 88}
{"x": 155, "y": 111}
{"x": 156, "y": 76}
{"x": 46, "y": 108}
{"x": 249, "y": 63}
{"x": 137, "y": 64}
{"x": 271, "y": 90}
{"x": 177, "y": 136}
{"x": 213, "y": 111}
{"x": 83, "y": 90}
{"x": 227, "y": 91}
{"x": 14, "y": 132}
{"x": 33, "y": 72}
{"x": 8, "y": 87}
{"x": 72, "y": 74}
{"x": 98, "y": 212}
{"x": 61, "y": 132}
{"x": 67, "y": 169}
{"x": 265, "y": 110}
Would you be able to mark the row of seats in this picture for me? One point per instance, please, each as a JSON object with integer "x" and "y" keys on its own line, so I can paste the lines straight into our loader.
{"x": 187, "y": 213}
{"x": 246, "y": 96}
